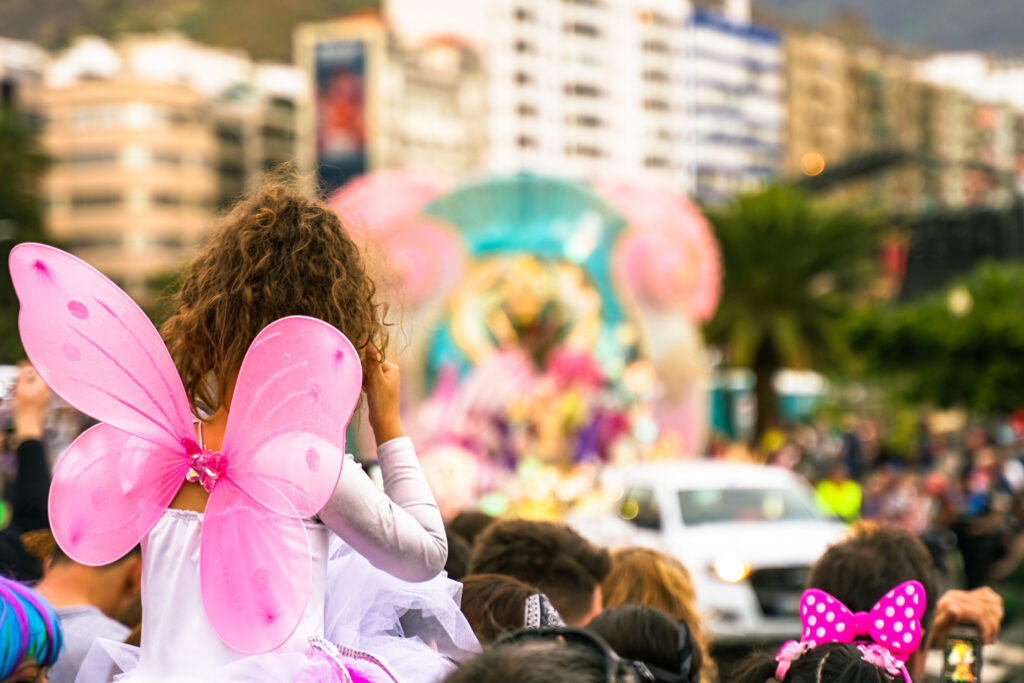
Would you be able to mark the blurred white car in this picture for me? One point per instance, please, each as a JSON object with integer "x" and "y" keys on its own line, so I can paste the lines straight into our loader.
{"x": 747, "y": 533}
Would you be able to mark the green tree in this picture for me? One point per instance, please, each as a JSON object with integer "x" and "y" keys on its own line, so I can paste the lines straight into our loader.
{"x": 793, "y": 268}
{"x": 21, "y": 217}
{"x": 961, "y": 346}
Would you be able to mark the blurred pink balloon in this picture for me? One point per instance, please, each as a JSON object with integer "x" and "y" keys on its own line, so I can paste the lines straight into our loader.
{"x": 668, "y": 258}
{"x": 378, "y": 199}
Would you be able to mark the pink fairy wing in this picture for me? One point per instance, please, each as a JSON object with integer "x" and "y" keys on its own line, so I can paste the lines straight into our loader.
{"x": 254, "y": 568}
{"x": 108, "y": 491}
{"x": 96, "y": 348}
{"x": 285, "y": 438}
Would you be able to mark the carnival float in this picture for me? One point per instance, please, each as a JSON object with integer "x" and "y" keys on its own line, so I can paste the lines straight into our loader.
{"x": 546, "y": 328}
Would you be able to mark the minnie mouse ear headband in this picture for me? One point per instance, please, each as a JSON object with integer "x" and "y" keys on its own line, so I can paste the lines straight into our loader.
{"x": 893, "y": 627}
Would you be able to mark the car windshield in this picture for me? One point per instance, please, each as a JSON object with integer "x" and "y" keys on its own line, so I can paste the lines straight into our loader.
{"x": 746, "y": 505}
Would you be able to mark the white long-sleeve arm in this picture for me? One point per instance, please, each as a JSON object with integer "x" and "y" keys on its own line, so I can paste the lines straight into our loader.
{"x": 399, "y": 530}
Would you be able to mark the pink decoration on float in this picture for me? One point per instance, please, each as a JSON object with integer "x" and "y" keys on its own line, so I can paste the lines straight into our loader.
{"x": 668, "y": 258}
{"x": 281, "y": 457}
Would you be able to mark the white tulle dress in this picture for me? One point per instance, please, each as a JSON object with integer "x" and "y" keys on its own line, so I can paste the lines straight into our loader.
{"x": 380, "y": 607}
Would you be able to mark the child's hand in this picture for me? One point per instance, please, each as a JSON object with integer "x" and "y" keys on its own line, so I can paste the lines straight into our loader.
{"x": 382, "y": 383}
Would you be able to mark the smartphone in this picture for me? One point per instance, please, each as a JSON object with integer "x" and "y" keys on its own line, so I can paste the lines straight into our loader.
{"x": 961, "y": 655}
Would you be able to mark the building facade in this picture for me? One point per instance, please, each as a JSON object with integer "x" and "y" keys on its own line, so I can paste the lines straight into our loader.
{"x": 735, "y": 105}
{"x": 377, "y": 101}
{"x": 150, "y": 136}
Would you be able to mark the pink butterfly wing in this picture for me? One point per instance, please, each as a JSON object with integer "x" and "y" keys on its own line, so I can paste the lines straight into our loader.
{"x": 295, "y": 393}
{"x": 255, "y": 570}
{"x": 108, "y": 491}
{"x": 96, "y": 348}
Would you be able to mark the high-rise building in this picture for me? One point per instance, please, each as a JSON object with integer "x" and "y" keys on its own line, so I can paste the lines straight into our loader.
{"x": 581, "y": 87}
{"x": 143, "y": 134}
{"x": 735, "y": 106}
{"x": 378, "y": 101}
{"x": 21, "y": 74}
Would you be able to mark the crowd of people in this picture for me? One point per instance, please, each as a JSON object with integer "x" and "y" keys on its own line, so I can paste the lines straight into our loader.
{"x": 962, "y": 493}
{"x": 394, "y": 593}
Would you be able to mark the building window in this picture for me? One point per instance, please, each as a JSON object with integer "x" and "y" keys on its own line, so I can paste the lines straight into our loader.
{"x": 585, "y": 3}
{"x": 166, "y": 199}
{"x": 582, "y": 90}
{"x": 105, "y": 157}
{"x": 526, "y": 142}
{"x": 580, "y": 29}
{"x": 586, "y": 121}
{"x": 522, "y": 14}
{"x": 657, "y": 47}
{"x": 277, "y": 133}
{"x": 656, "y": 162}
{"x": 165, "y": 157}
{"x": 657, "y": 76}
{"x": 97, "y": 241}
{"x": 95, "y": 201}
{"x": 525, "y": 47}
{"x": 523, "y": 78}
{"x": 585, "y": 151}
{"x": 656, "y": 104}
{"x": 526, "y": 110}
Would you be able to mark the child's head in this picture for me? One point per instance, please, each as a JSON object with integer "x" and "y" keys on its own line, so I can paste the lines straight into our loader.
{"x": 828, "y": 663}
{"x": 277, "y": 253}
{"x": 644, "y": 634}
{"x": 30, "y": 636}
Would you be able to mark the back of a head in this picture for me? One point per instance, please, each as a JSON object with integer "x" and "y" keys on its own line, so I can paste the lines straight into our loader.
{"x": 552, "y": 557}
{"x": 458, "y": 556}
{"x": 642, "y": 576}
{"x": 872, "y": 561}
{"x": 469, "y": 524}
{"x": 829, "y": 663}
{"x": 643, "y": 634}
{"x": 494, "y": 604}
{"x": 533, "y": 662}
{"x": 277, "y": 253}
{"x": 29, "y": 629}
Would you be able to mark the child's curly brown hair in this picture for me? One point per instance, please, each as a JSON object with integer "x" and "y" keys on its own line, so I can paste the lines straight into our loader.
{"x": 276, "y": 253}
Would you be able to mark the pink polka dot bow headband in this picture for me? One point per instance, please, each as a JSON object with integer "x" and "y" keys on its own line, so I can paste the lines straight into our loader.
{"x": 894, "y": 624}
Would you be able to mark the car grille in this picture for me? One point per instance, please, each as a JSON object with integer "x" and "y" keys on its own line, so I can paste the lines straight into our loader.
{"x": 778, "y": 589}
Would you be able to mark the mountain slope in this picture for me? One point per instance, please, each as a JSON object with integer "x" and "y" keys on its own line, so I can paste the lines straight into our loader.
{"x": 986, "y": 25}
{"x": 262, "y": 28}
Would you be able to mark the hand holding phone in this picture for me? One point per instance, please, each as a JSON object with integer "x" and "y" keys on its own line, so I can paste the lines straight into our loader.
{"x": 961, "y": 655}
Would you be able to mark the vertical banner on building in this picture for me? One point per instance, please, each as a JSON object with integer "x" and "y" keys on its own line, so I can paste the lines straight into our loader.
{"x": 340, "y": 70}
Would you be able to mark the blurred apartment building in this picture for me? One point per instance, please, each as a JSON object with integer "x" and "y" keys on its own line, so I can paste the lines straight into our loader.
{"x": 380, "y": 101}
{"x": 894, "y": 136}
{"x": 581, "y": 88}
{"x": 148, "y": 137}
{"x": 21, "y": 74}
{"x": 735, "y": 109}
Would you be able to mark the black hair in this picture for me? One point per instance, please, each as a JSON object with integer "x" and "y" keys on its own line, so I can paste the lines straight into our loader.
{"x": 647, "y": 635}
{"x": 552, "y": 557}
{"x": 536, "y": 661}
{"x": 458, "y": 556}
{"x": 871, "y": 562}
{"x": 828, "y": 663}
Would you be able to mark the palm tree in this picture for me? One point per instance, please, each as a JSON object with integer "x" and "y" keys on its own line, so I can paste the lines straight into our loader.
{"x": 792, "y": 269}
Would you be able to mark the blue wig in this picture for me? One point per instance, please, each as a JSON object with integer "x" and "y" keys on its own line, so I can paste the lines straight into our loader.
{"x": 28, "y": 628}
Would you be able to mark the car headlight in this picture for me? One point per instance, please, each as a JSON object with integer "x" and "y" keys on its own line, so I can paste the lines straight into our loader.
{"x": 730, "y": 568}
